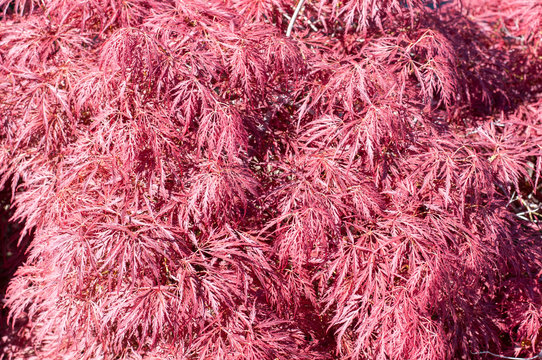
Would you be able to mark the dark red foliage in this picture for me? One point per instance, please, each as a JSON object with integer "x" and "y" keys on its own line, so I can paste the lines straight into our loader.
{"x": 190, "y": 183}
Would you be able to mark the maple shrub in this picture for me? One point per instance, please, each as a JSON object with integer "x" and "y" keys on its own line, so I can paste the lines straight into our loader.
{"x": 190, "y": 180}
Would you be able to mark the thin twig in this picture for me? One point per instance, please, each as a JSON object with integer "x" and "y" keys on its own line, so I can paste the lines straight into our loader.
{"x": 311, "y": 24}
{"x": 294, "y": 17}
{"x": 539, "y": 356}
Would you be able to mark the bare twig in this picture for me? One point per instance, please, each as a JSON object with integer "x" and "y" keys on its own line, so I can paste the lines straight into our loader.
{"x": 539, "y": 356}
{"x": 294, "y": 17}
{"x": 311, "y": 24}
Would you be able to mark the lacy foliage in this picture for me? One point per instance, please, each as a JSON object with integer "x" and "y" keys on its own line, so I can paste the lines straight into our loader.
{"x": 199, "y": 186}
